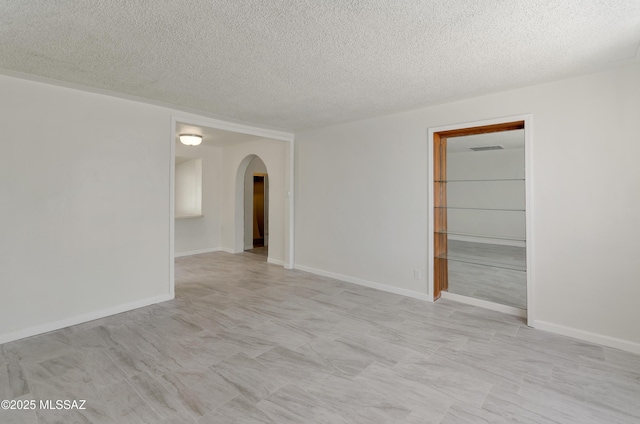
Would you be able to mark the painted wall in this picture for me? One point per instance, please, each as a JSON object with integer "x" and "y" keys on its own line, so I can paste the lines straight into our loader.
{"x": 237, "y": 157}
{"x": 202, "y": 233}
{"x": 86, "y": 203}
{"x": 361, "y": 199}
{"x": 256, "y": 166}
{"x": 85, "y": 208}
{"x": 188, "y": 184}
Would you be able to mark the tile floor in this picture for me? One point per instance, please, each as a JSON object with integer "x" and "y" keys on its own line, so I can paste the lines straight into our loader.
{"x": 262, "y": 250}
{"x": 248, "y": 342}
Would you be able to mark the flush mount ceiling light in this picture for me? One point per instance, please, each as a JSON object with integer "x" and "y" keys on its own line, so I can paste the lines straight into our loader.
{"x": 190, "y": 139}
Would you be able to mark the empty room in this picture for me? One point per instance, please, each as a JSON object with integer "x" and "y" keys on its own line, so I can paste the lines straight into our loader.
{"x": 286, "y": 212}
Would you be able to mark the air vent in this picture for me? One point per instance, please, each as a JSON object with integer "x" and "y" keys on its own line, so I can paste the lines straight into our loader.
{"x": 483, "y": 148}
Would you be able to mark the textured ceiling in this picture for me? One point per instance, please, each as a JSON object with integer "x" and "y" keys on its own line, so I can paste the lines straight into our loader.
{"x": 300, "y": 64}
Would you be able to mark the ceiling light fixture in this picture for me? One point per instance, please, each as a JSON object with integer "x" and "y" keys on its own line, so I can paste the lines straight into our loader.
{"x": 190, "y": 139}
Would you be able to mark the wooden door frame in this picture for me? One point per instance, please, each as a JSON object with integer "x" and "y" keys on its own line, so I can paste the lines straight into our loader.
{"x": 437, "y": 195}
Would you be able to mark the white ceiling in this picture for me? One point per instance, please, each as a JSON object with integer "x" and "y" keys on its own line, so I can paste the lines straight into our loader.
{"x": 300, "y": 64}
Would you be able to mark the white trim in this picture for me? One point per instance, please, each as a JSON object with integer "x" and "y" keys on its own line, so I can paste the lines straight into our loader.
{"x": 291, "y": 197}
{"x": 366, "y": 283}
{"x": 197, "y": 252}
{"x": 79, "y": 319}
{"x": 214, "y": 120}
{"x": 172, "y": 208}
{"x": 529, "y": 206}
{"x": 529, "y": 213}
{"x": 231, "y": 126}
{"x": 275, "y": 261}
{"x": 222, "y": 249}
{"x": 588, "y": 336}
{"x": 485, "y": 304}
{"x": 240, "y": 230}
{"x": 430, "y": 216}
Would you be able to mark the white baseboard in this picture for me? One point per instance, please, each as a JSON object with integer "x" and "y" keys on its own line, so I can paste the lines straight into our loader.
{"x": 197, "y": 252}
{"x": 222, "y": 249}
{"x": 501, "y": 242}
{"x": 484, "y": 304}
{"x": 228, "y": 250}
{"x": 613, "y": 342}
{"x": 79, "y": 319}
{"x": 588, "y": 336}
{"x": 366, "y": 283}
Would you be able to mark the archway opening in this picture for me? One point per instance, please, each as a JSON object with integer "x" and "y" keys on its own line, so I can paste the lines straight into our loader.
{"x": 256, "y": 208}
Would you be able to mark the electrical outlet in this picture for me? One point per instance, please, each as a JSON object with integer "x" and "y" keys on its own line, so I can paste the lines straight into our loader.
{"x": 417, "y": 274}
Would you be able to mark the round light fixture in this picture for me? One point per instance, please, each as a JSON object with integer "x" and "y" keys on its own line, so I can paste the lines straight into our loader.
{"x": 190, "y": 139}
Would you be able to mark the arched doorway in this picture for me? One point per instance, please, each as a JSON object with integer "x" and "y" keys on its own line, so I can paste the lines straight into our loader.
{"x": 256, "y": 207}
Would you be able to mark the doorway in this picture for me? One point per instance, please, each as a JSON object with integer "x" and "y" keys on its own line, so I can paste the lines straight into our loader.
{"x": 256, "y": 208}
{"x": 259, "y": 210}
{"x": 479, "y": 210}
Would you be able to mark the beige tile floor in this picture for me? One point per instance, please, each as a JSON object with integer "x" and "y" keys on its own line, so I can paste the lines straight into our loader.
{"x": 249, "y": 342}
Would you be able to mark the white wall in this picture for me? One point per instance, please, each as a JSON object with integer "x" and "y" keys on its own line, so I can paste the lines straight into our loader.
{"x": 202, "y": 233}
{"x": 256, "y": 166}
{"x": 274, "y": 154}
{"x": 84, "y": 181}
{"x": 361, "y": 199}
{"x": 188, "y": 184}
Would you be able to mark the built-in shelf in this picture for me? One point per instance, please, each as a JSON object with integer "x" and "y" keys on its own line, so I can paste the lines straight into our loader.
{"x": 479, "y": 209}
{"x": 482, "y": 236}
{"x": 503, "y": 263}
{"x": 474, "y": 181}
{"x": 478, "y": 221}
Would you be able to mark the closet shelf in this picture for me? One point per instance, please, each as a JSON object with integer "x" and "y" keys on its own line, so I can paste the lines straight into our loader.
{"x": 479, "y": 209}
{"x": 483, "y": 180}
{"x": 502, "y": 263}
{"x": 482, "y": 236}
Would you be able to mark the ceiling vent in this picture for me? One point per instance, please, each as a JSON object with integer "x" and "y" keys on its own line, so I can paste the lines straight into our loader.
{"x": 483, "y": 148}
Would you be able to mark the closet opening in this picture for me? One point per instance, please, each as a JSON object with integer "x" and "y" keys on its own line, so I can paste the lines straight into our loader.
{"x": 256, "y": 208}
{"x": 479, "y": 209}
